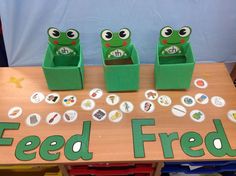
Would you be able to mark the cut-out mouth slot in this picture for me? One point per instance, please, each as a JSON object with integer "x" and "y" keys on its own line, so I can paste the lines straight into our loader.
{"x": 126, "y": 61}
{"x": 172, "y": 60}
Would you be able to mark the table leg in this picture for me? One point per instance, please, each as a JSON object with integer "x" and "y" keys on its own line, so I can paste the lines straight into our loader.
{"x": 63, "y": 170}
{"x": 158, "y": 168}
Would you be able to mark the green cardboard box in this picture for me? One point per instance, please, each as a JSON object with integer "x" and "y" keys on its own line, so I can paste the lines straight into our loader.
{"x": 64, "y": 71}
{"x": 122, "y": 77}
{"x": 120, "y": 63}
{"x": 174, "y": 71}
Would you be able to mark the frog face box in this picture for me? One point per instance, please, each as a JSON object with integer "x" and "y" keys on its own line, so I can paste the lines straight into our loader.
{"x": 120, "y": 61}
{"x": 63, "y": 63}
{"x": 174, "y": 59}
{"x": 116, "y": 46}
{"x": 63, "y": 43}
{"x": 172, "y": 40}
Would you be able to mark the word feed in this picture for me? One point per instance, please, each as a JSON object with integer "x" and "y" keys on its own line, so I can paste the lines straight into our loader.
{"x": 75, "y": 148}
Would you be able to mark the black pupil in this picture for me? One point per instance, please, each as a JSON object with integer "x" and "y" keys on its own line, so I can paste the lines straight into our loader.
{"x": 122, "y": 34}
{"x": 70, "y": 34}
{"x": 108, "y": 35}
{"x": 56, "y": 33}
{"x": 168, "y": 31}
{"x": 182, "y": 32}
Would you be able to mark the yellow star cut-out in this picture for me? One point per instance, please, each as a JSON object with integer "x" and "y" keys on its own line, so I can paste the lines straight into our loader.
{"x": 16, "y": 81}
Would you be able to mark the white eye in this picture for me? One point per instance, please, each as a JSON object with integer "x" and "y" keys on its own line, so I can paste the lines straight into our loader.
{"x": 166, "y": 31}
{"x": 185, "y": 31}
{"x": 72, "y": 34}
{"x": 54, "y": 32}
{"x": 124, "y": 33}
{"x": 107, "y": 35}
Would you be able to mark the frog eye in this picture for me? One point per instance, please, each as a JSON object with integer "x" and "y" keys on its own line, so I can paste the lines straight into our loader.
{"x": 185, "y": 31}
{"x": 72, "y": 34}
{"x": 166, "y": 31}
{"x": 54, "y": 32}
{"x": 107, "y": 35}
{"x": 124, "y": 33}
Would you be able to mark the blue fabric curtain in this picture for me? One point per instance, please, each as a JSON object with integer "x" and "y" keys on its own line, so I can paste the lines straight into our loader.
{"x": 25, "y": 23}
{"x": 3, "y": 57}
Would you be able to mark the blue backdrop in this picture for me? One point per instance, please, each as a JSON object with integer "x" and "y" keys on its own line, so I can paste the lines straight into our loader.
{"x": 25, "y": 23}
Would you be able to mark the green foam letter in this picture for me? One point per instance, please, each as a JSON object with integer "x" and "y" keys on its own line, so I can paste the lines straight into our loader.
{"x": 139, "y": 138}
{"x": 52, "y": 143}
{"x": 217, "y": 142}
{"x": 166, "y": 142}
{"x": 190, "y": 140}
{"x": 78, "y": 145}
{"x": 25, "y": 145}
{"x": 7, "y": 126}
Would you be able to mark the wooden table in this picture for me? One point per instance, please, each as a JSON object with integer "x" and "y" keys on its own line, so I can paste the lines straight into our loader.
{"x": 113, "y": 142}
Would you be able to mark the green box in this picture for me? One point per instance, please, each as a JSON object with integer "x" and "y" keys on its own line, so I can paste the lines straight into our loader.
{"x": 64, "y": 72}
{"x": 174, "y": 71}
{"x": 122, "y": 77}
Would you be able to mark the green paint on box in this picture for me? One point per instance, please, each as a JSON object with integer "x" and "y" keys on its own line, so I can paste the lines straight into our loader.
{"x": 63, "y": 63}
{"x": 120, "y": 61}
{"x": 174, "y": 62}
